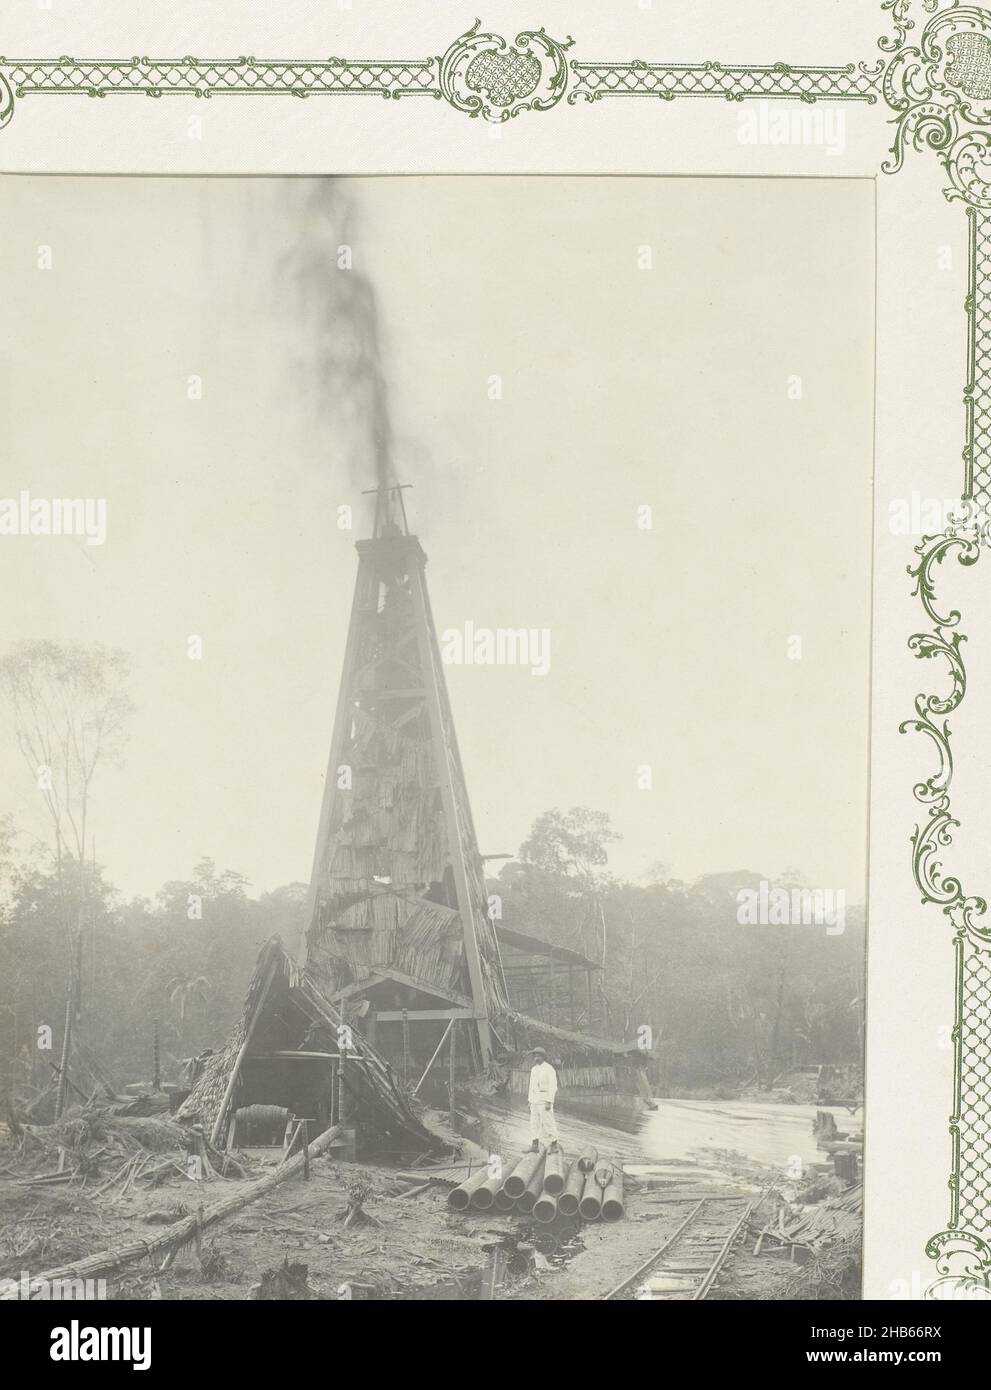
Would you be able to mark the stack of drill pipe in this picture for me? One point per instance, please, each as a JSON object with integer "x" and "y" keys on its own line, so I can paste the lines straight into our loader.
{"x": 503, "y": 1201}
{"x": 483, "y": 1197}
{"x": 591, "y": 1202}
{"x": 603, "y": 1172}
{"x": 527, "y": 1201}
{"x": 516, "y": 1181}
{"x": 586, "y": 1160}
{"x": 567, "y": 1203}
{"x": 545, "y": 1207}
{"x": 460, "y": 1197}
{"x": 612, "y": 1197}
{"x": 555, "y": 1170}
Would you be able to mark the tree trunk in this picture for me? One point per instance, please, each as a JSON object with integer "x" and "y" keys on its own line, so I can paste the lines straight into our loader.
{"x": 106, "y": 1261}
{"x": 63, "y": 1074}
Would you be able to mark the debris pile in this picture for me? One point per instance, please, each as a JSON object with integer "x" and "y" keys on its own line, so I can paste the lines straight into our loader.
{"x": 101, "y": 1146}
{"x": 836, "y": 1221}
{"x": 824, "y": 1241}
{"x": 845, "y": 1147}
{"x": 190, "y": 1228}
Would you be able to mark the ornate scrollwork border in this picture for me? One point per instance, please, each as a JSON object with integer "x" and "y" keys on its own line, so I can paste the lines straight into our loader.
{"x": 479, "y": 74}
{"x": 939, "y": 91}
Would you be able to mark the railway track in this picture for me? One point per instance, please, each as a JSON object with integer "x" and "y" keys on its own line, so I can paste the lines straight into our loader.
{"x": 687, "y": 1265}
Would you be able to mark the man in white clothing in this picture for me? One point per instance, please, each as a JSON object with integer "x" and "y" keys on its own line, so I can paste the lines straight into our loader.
{"x": 543, "y": 1089}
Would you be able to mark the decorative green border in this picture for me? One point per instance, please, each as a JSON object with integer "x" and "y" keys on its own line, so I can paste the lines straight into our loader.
{"x": 939, "y": 89}
{"x": 480, "y": 74}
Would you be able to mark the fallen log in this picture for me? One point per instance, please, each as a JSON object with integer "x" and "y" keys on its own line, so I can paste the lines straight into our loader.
{"x": 106, "y": 1261}
{"x": 415, "y": 1191}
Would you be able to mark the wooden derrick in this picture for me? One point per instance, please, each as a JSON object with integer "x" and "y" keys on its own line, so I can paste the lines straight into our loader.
{"x": 397, "y": 887}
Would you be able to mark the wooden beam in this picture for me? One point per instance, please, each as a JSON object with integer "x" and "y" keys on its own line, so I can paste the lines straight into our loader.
{"x": 433, "y": 1059}
{"x": 392, "y": 659}
{"x": 455, "y": 847}
{"x": 450, "y": 1073}
{"x": 342, "y": 723}
{"x": 431, "y": 1015}
{"x": 413, "y": 693}
{"x": 147, "y": 1246}
{"x": 349, "y": 991}
{"x": 386, "y": 972}
{"x": 218, "y": 1124}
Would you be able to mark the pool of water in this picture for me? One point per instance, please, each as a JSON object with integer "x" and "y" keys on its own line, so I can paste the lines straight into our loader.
{"x": 768, "y": 1133}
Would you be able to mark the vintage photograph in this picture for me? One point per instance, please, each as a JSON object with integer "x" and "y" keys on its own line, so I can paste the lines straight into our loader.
{"x": 434, "y": 736}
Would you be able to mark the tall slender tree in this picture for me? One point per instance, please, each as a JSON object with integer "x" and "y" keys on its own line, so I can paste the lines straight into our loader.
{"x": 68, "y": 707}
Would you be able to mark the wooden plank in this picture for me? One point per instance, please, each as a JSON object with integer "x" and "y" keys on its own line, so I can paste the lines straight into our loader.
{"x": 455, "y": 847}
{"x": 342, "y": 722}
{"x": 433, "y": 1059}
{"x": 218, "y": 1124}
{"x": 349, "y": 991}
{"x": 431, "y": 1015}
{"x": 413, "y": 694}
{"x": 450, "y": 1084}
{"x": 388, "y": 973}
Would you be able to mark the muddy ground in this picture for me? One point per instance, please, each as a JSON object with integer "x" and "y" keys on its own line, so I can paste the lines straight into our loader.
{"x": 411, "y": 1245}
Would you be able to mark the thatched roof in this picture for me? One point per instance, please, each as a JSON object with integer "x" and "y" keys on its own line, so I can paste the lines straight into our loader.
{"x": 278, "y": 979}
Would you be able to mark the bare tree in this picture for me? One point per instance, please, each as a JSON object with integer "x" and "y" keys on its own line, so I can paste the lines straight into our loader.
{"x": 69, "y": 707}
{"x": 184, "y": 990}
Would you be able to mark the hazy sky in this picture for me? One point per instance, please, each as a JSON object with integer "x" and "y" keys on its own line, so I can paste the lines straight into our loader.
{"x": 621, "y": 386}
